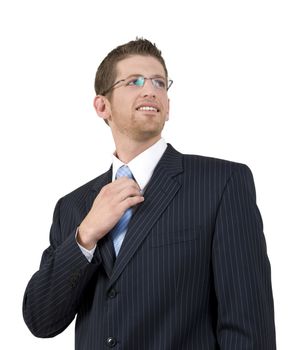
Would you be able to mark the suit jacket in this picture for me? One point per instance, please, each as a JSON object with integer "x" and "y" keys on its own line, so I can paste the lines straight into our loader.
{"x": 192, "y": 272}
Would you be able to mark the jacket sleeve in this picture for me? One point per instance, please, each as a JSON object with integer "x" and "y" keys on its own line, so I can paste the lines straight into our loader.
{"x": 241, "y": 269}
{"x": 53, "y": 294}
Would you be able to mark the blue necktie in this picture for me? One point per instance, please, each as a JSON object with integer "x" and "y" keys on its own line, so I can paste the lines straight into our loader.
{"x": 119, "y": 230}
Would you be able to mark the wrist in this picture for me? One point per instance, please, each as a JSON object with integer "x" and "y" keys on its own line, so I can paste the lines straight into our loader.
{"x": 85, "y": 239}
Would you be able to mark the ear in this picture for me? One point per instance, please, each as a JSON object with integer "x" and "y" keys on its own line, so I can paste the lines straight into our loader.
{"x": 102, "y": 107}
{"x": 168, "y": 111}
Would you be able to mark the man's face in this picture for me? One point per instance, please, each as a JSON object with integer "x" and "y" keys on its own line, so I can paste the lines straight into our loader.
{"x": 138, "y": 112}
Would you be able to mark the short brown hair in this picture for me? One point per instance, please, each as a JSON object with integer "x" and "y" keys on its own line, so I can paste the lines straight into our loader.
{"x": 106, "y": 72}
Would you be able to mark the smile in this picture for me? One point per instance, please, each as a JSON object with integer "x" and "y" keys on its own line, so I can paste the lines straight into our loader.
{"x": 147, "y": 108}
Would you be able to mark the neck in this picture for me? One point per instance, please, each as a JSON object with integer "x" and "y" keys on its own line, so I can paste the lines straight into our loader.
{"x": 126, "y": 150}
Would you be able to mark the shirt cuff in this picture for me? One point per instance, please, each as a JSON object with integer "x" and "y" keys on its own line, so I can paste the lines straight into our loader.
{"x": 88, "y": 253}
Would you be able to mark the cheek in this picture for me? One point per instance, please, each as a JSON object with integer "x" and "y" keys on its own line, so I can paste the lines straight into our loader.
{"x": 119, "y": 106}
{"x": 123, "y": 104}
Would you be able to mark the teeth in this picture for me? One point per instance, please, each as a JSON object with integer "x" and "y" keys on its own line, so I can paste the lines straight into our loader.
{"x": 147, "y": 108}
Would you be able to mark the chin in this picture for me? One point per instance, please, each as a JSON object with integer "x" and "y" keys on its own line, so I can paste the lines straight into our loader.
{"x": 145, "y": 135}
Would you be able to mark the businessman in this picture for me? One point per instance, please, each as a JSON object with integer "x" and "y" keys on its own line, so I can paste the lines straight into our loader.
{"x": 164, "y": 251}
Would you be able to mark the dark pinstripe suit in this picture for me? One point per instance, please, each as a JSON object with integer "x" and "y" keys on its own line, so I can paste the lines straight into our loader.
{"x": 192, "y": 272}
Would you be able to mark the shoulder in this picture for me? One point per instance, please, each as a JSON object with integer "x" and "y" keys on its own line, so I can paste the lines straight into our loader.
{"x": 201, "y": 165}
{"x": 220, "y": 173}
{"x": 213, "y": 164}
{"x": 217, "y": 175}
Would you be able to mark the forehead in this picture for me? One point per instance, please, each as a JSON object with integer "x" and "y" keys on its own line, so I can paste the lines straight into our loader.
{"x": 144, "y": 65}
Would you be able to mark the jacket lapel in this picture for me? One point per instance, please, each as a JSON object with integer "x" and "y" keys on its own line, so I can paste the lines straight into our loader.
{"x": 98, "y": 183}
{"x": 160, "y": 191}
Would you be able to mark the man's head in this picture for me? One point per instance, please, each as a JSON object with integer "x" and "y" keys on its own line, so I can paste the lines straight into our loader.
{"x": 106, "y": 73}
{"x": 131, "y": 91}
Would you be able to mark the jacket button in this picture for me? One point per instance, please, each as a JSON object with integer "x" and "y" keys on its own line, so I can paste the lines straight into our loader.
{"x": 111, "y": 342}
{"x": 112, "y": 293}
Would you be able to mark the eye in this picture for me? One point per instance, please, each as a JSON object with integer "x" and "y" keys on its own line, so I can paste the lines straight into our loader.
{"x": 137, "y": 81}
{"x": 159, "y": 83}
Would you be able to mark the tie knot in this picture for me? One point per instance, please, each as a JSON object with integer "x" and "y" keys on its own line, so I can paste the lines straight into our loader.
{"x": 124, "y": 171}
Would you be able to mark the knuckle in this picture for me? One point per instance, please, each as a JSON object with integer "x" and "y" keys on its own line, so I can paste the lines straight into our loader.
{"x": 106, "y": 190}
{"x": 130, "y": 201}
{"x": 134, "y": 183}
{"x": 133, "y": 188}
{"x": 103, "y": 189}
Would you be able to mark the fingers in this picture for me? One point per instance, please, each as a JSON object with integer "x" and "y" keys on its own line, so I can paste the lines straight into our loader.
{"x": 108, "y": 207}
{"x": 117, "y": 186}
{"x": 125, "y": 193}
{"x": 130, "y": 191}
{"x": 118, "y": 196}
{"x": 124, "y": 181}
{"x": 130, "y": 202}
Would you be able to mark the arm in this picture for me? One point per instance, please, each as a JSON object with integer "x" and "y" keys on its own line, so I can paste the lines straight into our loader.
{"x": 241, "y": 269}
{"x": 53, "y": 293}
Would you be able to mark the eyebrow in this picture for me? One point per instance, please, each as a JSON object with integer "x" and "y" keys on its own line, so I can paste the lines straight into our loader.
{"x": 141, "y": 75}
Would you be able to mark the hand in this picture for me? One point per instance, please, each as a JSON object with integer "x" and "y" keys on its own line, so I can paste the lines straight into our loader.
{"x": 108, "y": 207}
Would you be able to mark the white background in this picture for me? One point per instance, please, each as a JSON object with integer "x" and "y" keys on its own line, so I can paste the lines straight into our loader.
{"x": 230, "y": 62}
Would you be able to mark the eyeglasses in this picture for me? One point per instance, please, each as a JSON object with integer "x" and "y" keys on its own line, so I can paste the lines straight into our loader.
{"x": 159, "y": 83}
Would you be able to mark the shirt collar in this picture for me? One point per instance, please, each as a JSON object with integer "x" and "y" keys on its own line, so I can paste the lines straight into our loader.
{"x": 143, "y": 165}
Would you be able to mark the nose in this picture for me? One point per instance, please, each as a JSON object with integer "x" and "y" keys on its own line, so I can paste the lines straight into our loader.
{"x": 148, "y": 89}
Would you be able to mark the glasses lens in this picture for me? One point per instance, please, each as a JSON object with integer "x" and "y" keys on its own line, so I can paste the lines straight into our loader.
{"x": 139, "y": 81}
{"x": 159, "y": 83}
{"x": 136, "y": 81}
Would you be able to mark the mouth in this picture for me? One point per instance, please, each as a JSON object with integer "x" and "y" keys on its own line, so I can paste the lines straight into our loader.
{"x": 145, "y": 108}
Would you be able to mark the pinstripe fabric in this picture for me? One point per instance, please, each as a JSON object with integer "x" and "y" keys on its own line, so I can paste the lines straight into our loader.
{"x": 192, "y": 272}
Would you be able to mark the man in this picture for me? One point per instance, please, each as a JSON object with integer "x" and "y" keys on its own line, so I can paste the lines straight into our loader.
{"x": 164, "y": 250}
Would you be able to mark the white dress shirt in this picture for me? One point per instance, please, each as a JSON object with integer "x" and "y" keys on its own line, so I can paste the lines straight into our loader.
{"x": 142, "y": 168}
